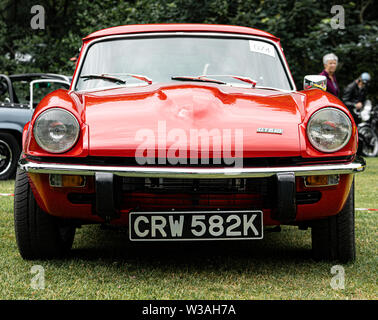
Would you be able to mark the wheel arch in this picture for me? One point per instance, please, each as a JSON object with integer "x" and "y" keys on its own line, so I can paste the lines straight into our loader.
{"x": 14, "y": 130}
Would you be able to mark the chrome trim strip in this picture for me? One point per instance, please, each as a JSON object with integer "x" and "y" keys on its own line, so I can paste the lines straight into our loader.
{"x": 185, "y": 33}
{"x": 192, "y": 173}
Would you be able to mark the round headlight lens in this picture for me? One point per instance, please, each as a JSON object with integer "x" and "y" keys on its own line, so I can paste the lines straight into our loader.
{"x": 56, "y": 130}
{"x": 329, "y": 129}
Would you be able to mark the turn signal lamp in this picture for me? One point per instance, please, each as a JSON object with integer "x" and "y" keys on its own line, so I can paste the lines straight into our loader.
{"x": 321, "y": 180}
{"x": 60, "y": 180}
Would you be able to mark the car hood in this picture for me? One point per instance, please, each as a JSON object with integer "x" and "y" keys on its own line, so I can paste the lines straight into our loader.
{"x": 160, "y": 118}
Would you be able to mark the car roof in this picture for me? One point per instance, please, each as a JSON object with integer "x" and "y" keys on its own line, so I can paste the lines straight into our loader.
{"x": 168, "y": 27}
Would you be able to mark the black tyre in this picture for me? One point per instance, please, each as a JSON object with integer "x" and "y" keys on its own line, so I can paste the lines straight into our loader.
{"x": 9, "y": 154}
{"x": 38, "y": 234}
{"x": 333, "y": 238}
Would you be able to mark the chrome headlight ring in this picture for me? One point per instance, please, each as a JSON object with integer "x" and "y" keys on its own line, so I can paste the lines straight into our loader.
{"x": 329, "y": 129}
{"x": 56, "y": 130}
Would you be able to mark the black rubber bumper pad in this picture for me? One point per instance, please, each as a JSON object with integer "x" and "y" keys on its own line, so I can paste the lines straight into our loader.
{"x": 286, "y": 198}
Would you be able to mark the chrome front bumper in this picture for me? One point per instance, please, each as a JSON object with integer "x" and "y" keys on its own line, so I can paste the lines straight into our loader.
{"x": 358, "y": 165}
{"x": 105, "y": 177}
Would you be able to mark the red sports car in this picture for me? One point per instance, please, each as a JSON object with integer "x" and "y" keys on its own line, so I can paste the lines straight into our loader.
{"x": 187, "y": 132}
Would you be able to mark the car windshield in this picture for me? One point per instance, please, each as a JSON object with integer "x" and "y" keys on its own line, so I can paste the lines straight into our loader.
{"x": 161, "y": 58}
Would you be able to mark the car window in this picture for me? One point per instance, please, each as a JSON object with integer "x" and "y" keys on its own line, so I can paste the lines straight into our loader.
{"x": 160, "y": 58}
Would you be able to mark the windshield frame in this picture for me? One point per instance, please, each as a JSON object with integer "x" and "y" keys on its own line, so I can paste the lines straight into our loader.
{"x": 179, "y": 34}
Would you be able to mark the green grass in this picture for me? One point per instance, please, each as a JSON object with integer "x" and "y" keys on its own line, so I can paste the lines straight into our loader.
{"x": 105, "y": 265}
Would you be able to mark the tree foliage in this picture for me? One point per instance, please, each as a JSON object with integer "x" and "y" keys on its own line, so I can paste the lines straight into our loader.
{"x": 304, "y": 27}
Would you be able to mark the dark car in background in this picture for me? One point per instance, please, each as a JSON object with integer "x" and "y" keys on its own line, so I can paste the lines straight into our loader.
{"x": 19, "y": 95}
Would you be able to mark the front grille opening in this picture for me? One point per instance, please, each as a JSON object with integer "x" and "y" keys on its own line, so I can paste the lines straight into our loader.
{"x": 213, "y": 186}
{"x": 171, "y": 193}
{"x": 308, "y": 197}
{"x": 81, "y": 198}
{"x": 202, "y": 194}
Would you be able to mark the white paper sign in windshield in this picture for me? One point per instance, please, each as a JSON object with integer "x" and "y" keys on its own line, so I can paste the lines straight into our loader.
{"x": 262, "y": 47}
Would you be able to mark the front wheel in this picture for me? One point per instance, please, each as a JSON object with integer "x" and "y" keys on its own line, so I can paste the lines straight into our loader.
{"x": 38, "y": 234}
{"x": 333, "y": 238}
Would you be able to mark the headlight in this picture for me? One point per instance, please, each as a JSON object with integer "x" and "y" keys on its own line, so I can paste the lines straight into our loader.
{"x": 329, "y": 129}
{"x": 56, "y": 130}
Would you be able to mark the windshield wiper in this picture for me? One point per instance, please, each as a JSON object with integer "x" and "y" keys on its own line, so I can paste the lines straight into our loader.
{"x": 205, "y": 78}
{"x": 240, "y": 78}
{"x": 111, "y": 78}
{"x": 198, "y": 79}
{"x": 103, "y": 77}
{"x": 136, "y": 76}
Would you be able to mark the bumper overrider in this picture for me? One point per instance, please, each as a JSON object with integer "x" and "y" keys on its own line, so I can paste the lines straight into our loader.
{"x": 105, "y": 179}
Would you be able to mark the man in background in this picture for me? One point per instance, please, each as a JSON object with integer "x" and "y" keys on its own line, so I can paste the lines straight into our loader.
{"x": 355, "y": 94}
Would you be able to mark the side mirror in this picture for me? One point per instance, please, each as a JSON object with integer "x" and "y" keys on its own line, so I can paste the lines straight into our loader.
{"x": 315, "y": 81}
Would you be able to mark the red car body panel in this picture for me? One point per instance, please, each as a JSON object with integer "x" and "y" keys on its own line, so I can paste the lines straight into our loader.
{"x": 110, "y": 119}
{"x": 190, "y": 106}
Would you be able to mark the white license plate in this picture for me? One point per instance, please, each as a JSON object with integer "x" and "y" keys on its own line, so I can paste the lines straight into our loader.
{"x": 196, "y": 225}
